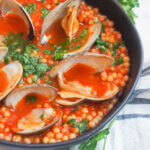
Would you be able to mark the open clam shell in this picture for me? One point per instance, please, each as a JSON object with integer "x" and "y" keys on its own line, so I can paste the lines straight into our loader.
{"x": 93, "y": 31}
{"x": 75, "y": 89}
{"x": 38, "y": 119}
{"x": 57, "y": 13}
{"x": 16, "y": 95}
{"x": 12, "y": 6}
{"x": 32, "y": 122}
{"x": 3, "y": 52}
{"x": 98, "y": 61}
{"x": 13, "y": 72}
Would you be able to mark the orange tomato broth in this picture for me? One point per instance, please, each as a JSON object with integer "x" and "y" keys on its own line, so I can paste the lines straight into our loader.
{"x": 4, "y": 82}
{"x": 14, "y": 23}
{"x": 24, "y": 107}
{"x": 79, "y": 72}
{"x": 57, "y": 34}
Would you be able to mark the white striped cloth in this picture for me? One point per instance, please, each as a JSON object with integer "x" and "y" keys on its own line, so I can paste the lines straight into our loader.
{"x": 131, "y": 130}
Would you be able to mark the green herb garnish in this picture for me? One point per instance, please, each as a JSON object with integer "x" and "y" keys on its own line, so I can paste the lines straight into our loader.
{"x": 52, "y": 65}
{"x": 102, "y": 45}
{"x": 128, "y": 6}
{"x": 96, "y": 20}
{"x": 44, "y": 12}
{"x": 76, "y": 108}
{"x": 49, "y": 82}
{"x": 83, "y": 125}
{"x": 92, "y": 142}
{"x": 22, "y": 82}
{"x": 46, "y": 51}
{"x": 35, "y": 77}
{"x": 118, "y": 61}
{"x": 73, "y": 122}
{"x": 42, "y": 1}
{"x": 30, "y": 99}
{"x": 30, "y": 8}
{"x": 42, "y": 116}
{"x": 20, "y": 50}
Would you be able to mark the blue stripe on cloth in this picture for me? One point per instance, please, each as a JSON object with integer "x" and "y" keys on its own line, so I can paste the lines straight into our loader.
{"x": 139, "y": 101}
{"x": 137, "y": 92}
{"x": 131, "y": 116}
{"x": 145, "y": 72}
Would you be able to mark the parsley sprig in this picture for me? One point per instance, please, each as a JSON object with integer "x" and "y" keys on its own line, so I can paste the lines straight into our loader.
{"x": 92, "y": 142}
{"x": 128, "y": 6}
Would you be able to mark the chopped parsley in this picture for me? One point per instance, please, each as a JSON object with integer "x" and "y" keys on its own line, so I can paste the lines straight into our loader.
{"x": 52, "y": 65}
{"x": 18, "y": 49}
{"x": 96, "y": 20}
{"x": 84, "y": 33}
{"x": 73, "y": 122}
{"x": 30, "y": 99}
{"x": 35, "y": 77}
{"x": 49, "y": 82}
{"x": 102, "y": 45}
{"x": 43, "y": 1}
{"x": 30, "y": 8}
{"x": 44, "y": 12}
{"x": 102, "y": 28}
{"x": 42, "y": 116}
{"x": 118, "y": 61}
{"x": 76, "y": 108}
{"x": 22, "y": 82}
{"x": 83, "y": 125}
{"x": 46, "y": 51}
{"x": 62, "y": 47}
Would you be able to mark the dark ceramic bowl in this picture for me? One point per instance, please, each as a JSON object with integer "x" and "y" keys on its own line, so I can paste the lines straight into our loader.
{"x": 114, "y": 12}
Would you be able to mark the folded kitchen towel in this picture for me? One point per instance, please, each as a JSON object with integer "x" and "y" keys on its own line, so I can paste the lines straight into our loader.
{"x": 131, "y": 130}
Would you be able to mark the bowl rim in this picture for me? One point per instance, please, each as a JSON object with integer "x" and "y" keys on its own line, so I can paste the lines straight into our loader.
{"x": 99, "y": 127}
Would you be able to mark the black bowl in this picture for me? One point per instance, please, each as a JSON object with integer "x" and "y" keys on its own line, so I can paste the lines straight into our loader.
{"x": 114, "y": 12}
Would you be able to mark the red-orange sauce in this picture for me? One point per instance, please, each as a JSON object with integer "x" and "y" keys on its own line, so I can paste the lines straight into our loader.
{"x": 3, "y": 81}
{"x": 79, "y": 72}
{"x": 57, "y": 34}
{"x": 13, "y": 23}
{"x": 23, "y": 108}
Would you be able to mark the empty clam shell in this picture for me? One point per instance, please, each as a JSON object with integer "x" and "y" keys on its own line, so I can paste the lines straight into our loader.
{"x": 12, "y": 6}
{"x": 3, "y": 52}
{"x": 38, "y": 119}
{"x": 13, "y": 72}
{"x": 57, "y": 13}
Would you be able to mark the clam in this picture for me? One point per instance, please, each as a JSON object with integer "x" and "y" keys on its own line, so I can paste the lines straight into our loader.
{"x": 70, "y": 23}
{"x": 12, "y": 6}
{"x": 3, "y": 52}
{"x": 93, "y": 31}
{"x": 57, "y": 13}
{"x": 13, "y": 71}
{"x": 66, "y": 12}
{"x": 37, "y": 119}
{"x": 78, "y": 90}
